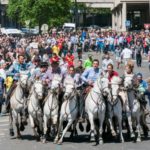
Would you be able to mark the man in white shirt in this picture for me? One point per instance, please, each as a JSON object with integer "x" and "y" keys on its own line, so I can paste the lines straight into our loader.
{"x": 126, "y": 54}
{"x": 105, "y": 62}
{"x": 2, "y": 61}
{"x": 2, "y": 71}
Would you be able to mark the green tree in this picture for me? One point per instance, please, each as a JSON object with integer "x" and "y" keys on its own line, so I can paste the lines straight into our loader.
{"x": 52, "y": 12}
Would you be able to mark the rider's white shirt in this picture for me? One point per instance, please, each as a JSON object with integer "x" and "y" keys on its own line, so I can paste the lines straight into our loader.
{"x": 105, "y": 63}
{"x": 3, "y": 73}
{"x": 126, "y": 53}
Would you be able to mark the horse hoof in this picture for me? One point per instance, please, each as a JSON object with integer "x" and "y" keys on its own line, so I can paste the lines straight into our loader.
{"x": 114, "y": 134}
{"x": 88, "y": 127}
{"x": 55, "y": 141}
{"x": 92, "y": 139}
{"x": 138, "y": 140}
{"x": 44, "y": 141}
{"x": 11, "y": 132}
{"x": 122, "y": 141}
{"x": 101, "y": 142}
{"x": 25, "y": 123}
{"x": 59, "y": 142}
{"x": 22, "y": 128}
{"x": 132, "y": 135}
{"x": 81, "y": 127}
{"x": 19, "y": 137}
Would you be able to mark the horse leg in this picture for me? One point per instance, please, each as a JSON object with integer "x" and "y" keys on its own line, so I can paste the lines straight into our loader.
{"x": 21, "y": 122}
{"x": 54, "y": 125}
{"x": 119, "y": 117}
{"x": 110, "y": 121}
{"x": 101, "y": 121}
{"x": 45, "y": 129}
{"x": 138, "y": 128}
{"x": 17, "y": 125}
{"x": 40, "y": 126}
{"x": 132, "y": 135}
{"x": 143, "y": 124}
{"x": 33, "y": 126}
{"x": 74, "y": 131}
{"x": 59, "y": 130}
{"x": 64, "y": 131}
{"x": 91, "y": 119}
{"x": 11, "y": 130}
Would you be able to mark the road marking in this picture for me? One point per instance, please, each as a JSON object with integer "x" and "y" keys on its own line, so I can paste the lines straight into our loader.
{"x": 1, "y": 121}
{"x": 2, "y": 125}
{"x": 2, "y": 134}
{"x": 3, "y": 129}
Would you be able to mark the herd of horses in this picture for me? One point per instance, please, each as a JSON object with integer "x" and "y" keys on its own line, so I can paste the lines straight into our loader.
{"x": 104, "y": 102}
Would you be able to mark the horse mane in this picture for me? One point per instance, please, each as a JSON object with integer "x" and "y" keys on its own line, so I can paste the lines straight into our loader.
{"x": 57, "y": 77}
{"x": 69, "y": 81}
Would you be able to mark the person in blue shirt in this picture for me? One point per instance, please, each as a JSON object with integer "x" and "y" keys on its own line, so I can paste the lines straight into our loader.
{"x": 1, "y": 92}
{"x": 16, "y": 67}
{"x": 142, "y": 83}
{"x": 100, "y": 43}
{"x": 14, "y": 71}
{"x": 143, "y": 90}
{"x": 90, "y": 75}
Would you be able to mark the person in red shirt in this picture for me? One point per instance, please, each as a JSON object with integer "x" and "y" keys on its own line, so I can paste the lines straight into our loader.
{"x": 110, "y": 72}
{"x": 69, "y": 59}
{"x": 54, "y": 58}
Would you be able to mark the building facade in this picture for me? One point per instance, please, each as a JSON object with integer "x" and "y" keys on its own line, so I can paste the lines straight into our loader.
{"x": 4, "y": 20}
{"x": 126, "y": 14}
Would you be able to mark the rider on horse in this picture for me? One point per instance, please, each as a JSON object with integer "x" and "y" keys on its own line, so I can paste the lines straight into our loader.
{"x": 142, "y": 88}
{"x": 88, "y": 77}
{"x": 14, "y": 71}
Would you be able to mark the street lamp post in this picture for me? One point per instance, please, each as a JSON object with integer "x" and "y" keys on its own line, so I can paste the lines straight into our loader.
{"x": 76, "y": 13}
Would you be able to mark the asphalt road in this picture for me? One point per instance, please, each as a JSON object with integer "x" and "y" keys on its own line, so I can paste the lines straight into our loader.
{"x": 80, "y": 142}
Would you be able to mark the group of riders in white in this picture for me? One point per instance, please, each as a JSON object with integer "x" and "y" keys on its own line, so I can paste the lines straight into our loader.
{"x": 50, "y": 95}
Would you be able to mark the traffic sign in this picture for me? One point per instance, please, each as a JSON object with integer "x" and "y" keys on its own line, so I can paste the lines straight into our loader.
{"x": 27, "y": 22}
{"x": 128, "y": 23}
{"x": 44, "y": 27}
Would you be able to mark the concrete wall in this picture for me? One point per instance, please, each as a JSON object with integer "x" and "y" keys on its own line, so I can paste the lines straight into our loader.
{"x": 4, "y": 2}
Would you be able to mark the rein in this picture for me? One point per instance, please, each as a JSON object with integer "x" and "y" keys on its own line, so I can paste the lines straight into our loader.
{"x": 50, "y": 107}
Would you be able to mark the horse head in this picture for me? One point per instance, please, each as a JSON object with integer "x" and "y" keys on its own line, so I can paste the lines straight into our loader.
{"x": 24, "y": 75}
{"x": 115, "y": 87}
{"x": 38, "y": 88}
{"x": 69, "y": 89}
{"x": 129, "y": 81}
{"x": 56, "y": 84}
{"x": 105, "y": 86}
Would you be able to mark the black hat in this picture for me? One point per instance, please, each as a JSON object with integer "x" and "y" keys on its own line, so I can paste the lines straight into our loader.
{"x": 44, "y": 64}
{"x": 37, "y": 59}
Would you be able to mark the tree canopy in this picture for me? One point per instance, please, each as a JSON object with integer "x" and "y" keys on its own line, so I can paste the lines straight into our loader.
{"x": 52, "y": 12}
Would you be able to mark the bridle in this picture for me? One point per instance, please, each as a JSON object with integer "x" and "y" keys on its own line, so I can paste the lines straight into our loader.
{"x": 35, "y": 92}
{"x": 71, "y": 96}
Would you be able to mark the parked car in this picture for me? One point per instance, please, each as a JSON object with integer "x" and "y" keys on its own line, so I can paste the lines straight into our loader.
{"x": 12, "y": 31}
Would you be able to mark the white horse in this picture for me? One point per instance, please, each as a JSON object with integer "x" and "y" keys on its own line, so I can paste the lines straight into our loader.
{"x": 133, "y": 106}
{"x": 95, "y": 106}
{"x": 34, "y": 108}
{"x": 51, "y": 106}
{"x": 17, "y": 104}
{"x": 115, "y": 106}
{"x": 69, "y": 109}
